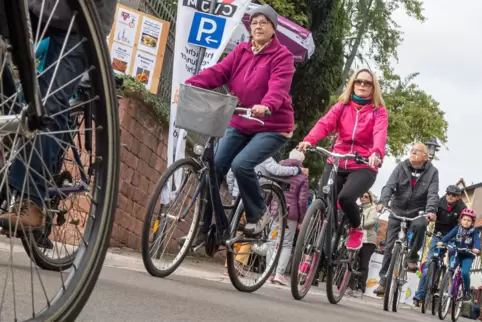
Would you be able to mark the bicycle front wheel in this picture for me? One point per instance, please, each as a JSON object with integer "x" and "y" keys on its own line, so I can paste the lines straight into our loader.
{"x": 252, "y": 259}
{"x": 457, "y": 299}
{"x": 82, "y": 225}
{"x": 428, "y": 287}
{"x": 172, "y": 217}
{"x": 308, "y": 250}
{"x": 393, "y": 273}
{"x": 445, "y": 296}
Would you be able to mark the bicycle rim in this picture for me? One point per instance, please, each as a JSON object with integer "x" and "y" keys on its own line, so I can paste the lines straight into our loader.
{"x": 457, "y": 303}
{"x": 172, "y": 217}
{"x": 63, "y": 300}
{"x": 310, "y": 238}
{"x": 338, "y": 274}
{"x": 428, "y": 287}
{"x": 391, "y": 286}
{"x": 249, "y": 265}
{"x": 445, "y": 298}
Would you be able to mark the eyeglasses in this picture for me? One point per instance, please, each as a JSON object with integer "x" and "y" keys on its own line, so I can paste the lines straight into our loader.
{"x": 415, "y": 151}
{"x": 364, "y": 82}
{"x": 261, "y": 23}
{"x": 452, "y": 194}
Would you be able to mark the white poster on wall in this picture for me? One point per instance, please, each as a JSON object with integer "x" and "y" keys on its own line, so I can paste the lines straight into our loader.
{"x": 196, "y": 28}
{"x": 126, "y": 27}
{"x": 150, "y": 33}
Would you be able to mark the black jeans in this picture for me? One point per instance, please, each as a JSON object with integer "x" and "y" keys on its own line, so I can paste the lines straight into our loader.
{"x": 365, "y": 255}
{"x": 351, "y": 184}
{"x": 418, "y": 228}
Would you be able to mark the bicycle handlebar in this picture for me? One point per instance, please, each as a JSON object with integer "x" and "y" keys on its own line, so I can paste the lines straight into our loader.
{"x": 394, "y": 215}
{"x": 355, "y": 156}
{"x": 248, "y": 114}
{"x": 462, "y": 250}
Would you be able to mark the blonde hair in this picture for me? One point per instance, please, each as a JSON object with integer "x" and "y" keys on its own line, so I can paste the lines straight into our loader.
{"x": 377, "y": 98}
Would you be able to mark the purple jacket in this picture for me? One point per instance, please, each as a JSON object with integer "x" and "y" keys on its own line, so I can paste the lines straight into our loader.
{"x": 297, "y": 197}
{"x": 264, "y": 78}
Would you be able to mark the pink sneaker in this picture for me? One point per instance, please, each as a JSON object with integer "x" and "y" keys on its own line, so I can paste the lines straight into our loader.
{"x": 280, "y": 279}
{"x": 355, "y": 239}
{"x": 270, "y": 279}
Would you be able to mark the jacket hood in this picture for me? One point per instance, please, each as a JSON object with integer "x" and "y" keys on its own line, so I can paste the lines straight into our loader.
{"x": 291, "y": 163}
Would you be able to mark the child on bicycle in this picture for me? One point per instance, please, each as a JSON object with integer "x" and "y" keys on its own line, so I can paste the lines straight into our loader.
{"x": 465, "y": 236}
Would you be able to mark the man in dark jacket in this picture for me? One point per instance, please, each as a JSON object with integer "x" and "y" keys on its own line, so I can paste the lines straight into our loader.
{"x": 449, "y": 209}
{"x": 60, "y": 83}
{"x": 412, "y": 187}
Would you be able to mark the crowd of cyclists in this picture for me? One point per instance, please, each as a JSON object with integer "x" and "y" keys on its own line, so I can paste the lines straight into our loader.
{"x": 260, "y": 73}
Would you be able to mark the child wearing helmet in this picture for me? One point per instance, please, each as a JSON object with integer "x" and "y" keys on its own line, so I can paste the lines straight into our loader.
{"x": 465, "y": 236}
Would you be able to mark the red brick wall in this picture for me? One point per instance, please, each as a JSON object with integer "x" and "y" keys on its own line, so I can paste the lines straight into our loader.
{"x": 142, "y": 163}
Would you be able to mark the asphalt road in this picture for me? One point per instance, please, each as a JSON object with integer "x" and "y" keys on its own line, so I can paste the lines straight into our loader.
{"x": 199, "y": 292}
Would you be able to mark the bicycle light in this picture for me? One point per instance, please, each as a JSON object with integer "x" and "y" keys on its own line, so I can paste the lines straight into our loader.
{"x": 326, "y": 189}
{"x": 198, "y": 149}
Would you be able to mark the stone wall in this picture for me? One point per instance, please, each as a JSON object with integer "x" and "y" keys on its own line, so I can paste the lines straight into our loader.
{"x": 143, "y": 160}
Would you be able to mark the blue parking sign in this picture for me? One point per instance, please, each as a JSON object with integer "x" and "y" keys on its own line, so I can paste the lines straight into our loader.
{"x": 207, "y": 30}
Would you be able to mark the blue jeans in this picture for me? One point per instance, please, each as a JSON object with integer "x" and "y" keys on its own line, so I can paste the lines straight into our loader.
{"x": 465, "y": 265}
{"x": 433, "y": 246}
{"x": 242, "y": 152}
{"x": 48, "y": 148}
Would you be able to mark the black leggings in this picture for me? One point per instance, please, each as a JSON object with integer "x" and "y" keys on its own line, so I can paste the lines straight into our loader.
{"x": 365, "y": 255}
{"x": 351, "y": 184}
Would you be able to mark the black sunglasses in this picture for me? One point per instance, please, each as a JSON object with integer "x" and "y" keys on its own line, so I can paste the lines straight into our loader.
{"x": 452, "y": 194}
{"x": 363, "y": 82}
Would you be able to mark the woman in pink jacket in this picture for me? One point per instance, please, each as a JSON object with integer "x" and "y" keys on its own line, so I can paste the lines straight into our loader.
{"x": 361, "y": 121}
{"x": 259, "y": 73}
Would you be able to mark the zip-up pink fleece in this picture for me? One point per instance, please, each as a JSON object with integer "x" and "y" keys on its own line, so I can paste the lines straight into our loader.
{"x": 264, "y": 78}
{"x": 361, "y": 130}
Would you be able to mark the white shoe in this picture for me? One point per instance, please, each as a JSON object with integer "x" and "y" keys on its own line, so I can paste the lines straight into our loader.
{"x": 256, "y": 228}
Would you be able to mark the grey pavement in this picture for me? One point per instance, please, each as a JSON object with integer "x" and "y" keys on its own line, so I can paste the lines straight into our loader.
{"x": 197, "y": 291}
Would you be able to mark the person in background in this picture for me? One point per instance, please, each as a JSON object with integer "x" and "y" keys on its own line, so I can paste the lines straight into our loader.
{"x": 369, "y": 221}
{"x": 412, "y": 187}
{"x": 297, "y": 202}
{"x": 449, "y": 209}
{"x": 361, "y": 121}
{"x": 465, "y": 236}
{"x": 268, "y": 167}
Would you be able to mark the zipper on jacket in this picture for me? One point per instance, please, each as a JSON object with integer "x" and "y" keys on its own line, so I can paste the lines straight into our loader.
{"x": 250, "y": 65}
{"x": 353, "y": 135}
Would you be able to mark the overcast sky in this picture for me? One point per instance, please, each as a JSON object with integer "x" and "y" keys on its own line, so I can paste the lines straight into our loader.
{"x": 447, "y": 52}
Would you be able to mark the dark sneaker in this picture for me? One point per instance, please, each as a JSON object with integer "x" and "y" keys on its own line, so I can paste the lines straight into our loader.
{"x": 416, "y": 303}
{"x": 412, "y": 267}
{"x": 467, "y": 297}
{"x": 256, "y": 228}
{"x": 380, "y": 290}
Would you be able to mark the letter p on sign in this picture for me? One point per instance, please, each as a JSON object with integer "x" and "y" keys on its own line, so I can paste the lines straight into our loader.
{"x": 207, "y": 30}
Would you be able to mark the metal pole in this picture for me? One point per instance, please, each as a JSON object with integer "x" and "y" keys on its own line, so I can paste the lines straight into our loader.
{"x": 202, "y": 50}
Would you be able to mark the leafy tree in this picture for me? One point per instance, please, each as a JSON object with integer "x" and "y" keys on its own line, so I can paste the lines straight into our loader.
{"x": 372, "y": 34}
{"x": 291, "y": 9}
{"x": 413, "y": 114}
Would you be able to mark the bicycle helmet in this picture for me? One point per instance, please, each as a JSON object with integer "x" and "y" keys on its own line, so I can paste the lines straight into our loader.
{"x": 453, "y": 189}
{"x": 468, "y": 212}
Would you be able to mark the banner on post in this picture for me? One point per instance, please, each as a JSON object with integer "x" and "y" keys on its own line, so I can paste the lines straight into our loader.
{"x": 196, "y": 27}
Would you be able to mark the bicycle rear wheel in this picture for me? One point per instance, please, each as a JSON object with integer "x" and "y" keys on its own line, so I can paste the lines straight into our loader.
{"x": 252, "y": 259}
{"x": 445, "y": 297}
{"x": 338, "y": 275}
{"x": 45, "y": 296}
{"x": 310, "y": 238}
{"x": 391, "y": 284}
{"x": 457, "y": 303}
{"x": 172, "y": 218}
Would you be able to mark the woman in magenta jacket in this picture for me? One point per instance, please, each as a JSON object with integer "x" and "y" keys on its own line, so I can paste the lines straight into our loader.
{"x": 259, "y": 74}
{"x": 361, "y": 121}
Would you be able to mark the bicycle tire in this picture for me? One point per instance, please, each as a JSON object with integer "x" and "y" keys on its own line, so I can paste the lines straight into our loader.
{"x": 428, "y": 287}
{"x": 436, "y": 300}
{"x": 394, "y": 262}
{"x": 230, "y": 256}
{"x": 457, "y": 305}
{"x": 70, "y": 300}
{"x": 445, "y": 287}
{"x": 153, "y": 202}
{"x": 330, "y": 274}
{"x": 317, "y": 206}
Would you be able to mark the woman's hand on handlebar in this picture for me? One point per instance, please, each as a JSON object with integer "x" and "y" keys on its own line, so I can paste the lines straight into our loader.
{"x": 374, "y": 160}
{"x": 302, "y": 146}
{"x": 260, "y": 111}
